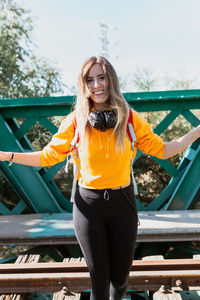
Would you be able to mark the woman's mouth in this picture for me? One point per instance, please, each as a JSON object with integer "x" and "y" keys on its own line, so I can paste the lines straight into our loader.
{"x": 98, "y": 93}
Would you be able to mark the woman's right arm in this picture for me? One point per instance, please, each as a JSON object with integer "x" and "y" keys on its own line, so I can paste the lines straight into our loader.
{"x": 56, "y": 151}
{"x": 30, "y": 158}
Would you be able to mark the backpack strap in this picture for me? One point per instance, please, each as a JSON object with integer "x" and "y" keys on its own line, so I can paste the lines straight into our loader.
{"x": 130, "y": 130}
{"x": 132, "y": 138}
{"x": 76, "y": 138}
{"x": 73, "y": 147}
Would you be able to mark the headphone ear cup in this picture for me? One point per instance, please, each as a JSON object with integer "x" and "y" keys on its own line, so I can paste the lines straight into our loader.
{"x": 106, "y": 117}
{"x": 110, "y": 119}
{"x": 103, "y": 121}
{"x": 97, "y": 119}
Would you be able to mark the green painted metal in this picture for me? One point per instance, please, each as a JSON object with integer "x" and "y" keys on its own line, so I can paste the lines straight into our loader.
{"x": 25, "y": 127}
{"x": 164, "y": 124}
{"x": 36, "y": 107}
{"x": 48, "y": 124}
{"x": 189, "y": 116}
{"x": 25, "y": 180}
{"x": 159, "y": 202}
{"x": 40, "y": 109}
{"x": 189, "y": 185}
{"x": 145, "y": 101}
{"x": 56, "y": 225}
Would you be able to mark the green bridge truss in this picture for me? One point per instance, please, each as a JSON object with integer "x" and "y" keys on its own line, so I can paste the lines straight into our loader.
{"x": 182, "y": 192}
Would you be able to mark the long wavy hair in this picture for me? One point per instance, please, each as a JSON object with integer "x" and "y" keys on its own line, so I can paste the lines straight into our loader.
{"x": 116, "y": 101}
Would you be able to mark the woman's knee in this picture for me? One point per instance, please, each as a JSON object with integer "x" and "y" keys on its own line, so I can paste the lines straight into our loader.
{"x": 100, "y": 289}
{"x": 117, "y": 290}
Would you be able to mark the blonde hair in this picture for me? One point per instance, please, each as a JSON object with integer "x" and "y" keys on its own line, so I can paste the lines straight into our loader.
{"x": 116, "y": 101}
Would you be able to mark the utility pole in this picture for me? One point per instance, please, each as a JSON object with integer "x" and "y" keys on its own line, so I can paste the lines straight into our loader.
{"x": 105, "y": 42}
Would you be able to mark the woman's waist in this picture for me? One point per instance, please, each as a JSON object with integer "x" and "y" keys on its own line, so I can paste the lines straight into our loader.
{"x": 105, "y": 187}
{"x": 120, "y": 187}
{"x": 104, "y": 180}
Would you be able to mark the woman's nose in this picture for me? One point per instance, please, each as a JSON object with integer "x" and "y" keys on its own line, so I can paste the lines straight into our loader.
{"x": 96, "y": 83}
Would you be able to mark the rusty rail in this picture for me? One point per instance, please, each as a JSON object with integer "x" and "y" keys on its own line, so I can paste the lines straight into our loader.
{"x": 78, "y": 282}
{"x": 176, "y": 274}
{"x": 80, "y": 266}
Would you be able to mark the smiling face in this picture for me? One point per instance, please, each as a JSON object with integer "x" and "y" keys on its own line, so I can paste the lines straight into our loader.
{"x": 97, "y": 84}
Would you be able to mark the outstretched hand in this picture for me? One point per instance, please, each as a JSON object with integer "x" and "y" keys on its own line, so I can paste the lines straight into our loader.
{"x": 198, "y": 130}
{"x": 5, "y": 156}
{"x": 176, "y": 146}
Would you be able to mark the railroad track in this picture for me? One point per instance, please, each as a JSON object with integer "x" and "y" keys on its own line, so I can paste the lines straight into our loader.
{"x": 174, "y": 274}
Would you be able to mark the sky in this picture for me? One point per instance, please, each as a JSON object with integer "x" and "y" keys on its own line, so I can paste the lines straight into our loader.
{"x": 162, "y": 35}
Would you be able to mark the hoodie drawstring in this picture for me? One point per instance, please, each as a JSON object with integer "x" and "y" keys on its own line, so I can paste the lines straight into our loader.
{"x": 107, "y": 143}
{"x": 101, "y": 146}
{"x": 108, "y": 146}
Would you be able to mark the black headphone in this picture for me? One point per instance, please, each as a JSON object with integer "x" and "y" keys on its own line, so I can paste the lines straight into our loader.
{"x": 102, "y": 120}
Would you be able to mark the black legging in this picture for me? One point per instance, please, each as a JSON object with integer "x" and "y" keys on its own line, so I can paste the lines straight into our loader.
{"x": 106, "y": 227}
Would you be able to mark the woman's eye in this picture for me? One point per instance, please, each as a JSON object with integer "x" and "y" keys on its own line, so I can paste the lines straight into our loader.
{"x": 102, "y": 77}
{"x": 89, "y": 80}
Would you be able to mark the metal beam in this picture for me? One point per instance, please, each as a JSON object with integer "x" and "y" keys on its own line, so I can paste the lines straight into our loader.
{"x": 81, "y": 266}
{"x": 78, "y": 282}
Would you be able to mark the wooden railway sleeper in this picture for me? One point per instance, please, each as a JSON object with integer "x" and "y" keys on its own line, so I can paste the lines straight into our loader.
{"x": 66, "y": 292}
{"x": 176, "y": 285}
{"x": 171, "y": 291}
{"x": 180, "y": 285}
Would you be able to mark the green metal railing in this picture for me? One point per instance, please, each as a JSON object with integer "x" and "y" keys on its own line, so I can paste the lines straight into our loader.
{"x": 36, "y": 188}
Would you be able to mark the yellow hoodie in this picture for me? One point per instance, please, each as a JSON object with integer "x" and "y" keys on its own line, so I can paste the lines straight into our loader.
{"x": 100, "y": 165}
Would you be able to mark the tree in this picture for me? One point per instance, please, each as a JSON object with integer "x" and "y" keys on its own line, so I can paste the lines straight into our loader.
{"x": 124, "y": 82}
{"x": 143, "y": 79}
{"x": 22, "y": 74}
{"x": 179, "y": 81}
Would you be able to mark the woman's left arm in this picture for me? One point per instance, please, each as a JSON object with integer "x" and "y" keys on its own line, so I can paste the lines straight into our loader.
{"x": 174, "y": 147}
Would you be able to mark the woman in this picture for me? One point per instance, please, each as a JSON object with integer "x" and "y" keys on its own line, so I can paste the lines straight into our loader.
{"x": 105, "y": 215}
